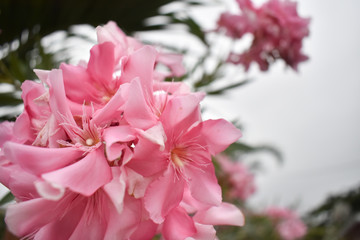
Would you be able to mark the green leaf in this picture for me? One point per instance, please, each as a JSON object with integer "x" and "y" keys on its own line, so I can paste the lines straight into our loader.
{"x": 245, "y": 148}
{"x": 231, "y": 86}
{"x": 9, "y": 99}
{"x": 7, "y": 198}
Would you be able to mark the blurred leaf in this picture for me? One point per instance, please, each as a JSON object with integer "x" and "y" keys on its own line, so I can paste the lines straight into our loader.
{"x": 9, "y": 99}
{"x": 7, "y": 198}
{"x": 8, "y": 117}
{"x": 53, "y": 15}
{"x": 231, "y": 86}
{"x": 245, "y": 148}
{"x": 194, "y": 28}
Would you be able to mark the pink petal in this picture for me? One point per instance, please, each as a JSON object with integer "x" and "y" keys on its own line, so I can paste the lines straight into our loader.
{"x": 43, "y": 75}
{"x": 91, "y": 226}
{"x": 137, "y": 111}
{"x": 173, "y": 62}
{"x": 155, "y": 134}
{"x": 40, "y": 160}
{"x": 22, "y": 128}
{"x": 76, "y": 80}
{"x": 148, "y": 160}
{"x": 203, "y": 232}
{"x": 172, "y": 87}
{"x": 101, "y": 63}
{"x": 6, "y": 132}
{"x": 140, "y": 65}
{"x": 58, "y": 101}
{"x": 111, "y": 111}
{"x": 219, "y": 134}
{"x": 85, "y": 176}
{"x": 180, "y": 113}
{"x": 146, "y": 230}
{"x": 225, "y": 214}
{"x": 27, "y": 217}
{"x": 203, "y": 184}
{"x": 116, "y": 139}
{"x": 137, "y": 184}
{"x": 115, "y": 189}
{"x": 121, "y": 226}
{"x": 49, "y": 191}
{"x": 163, "y": 195}
{"x": 178, "y": 225}
{"x": 63, "y": 227}
{"x": 19, "y": 181}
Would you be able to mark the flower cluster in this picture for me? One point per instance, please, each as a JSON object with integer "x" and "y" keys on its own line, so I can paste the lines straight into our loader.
{"x": 108, "y": 150}
{"x": 237, "y": 177}
{"x": 277, "y": 32}
{"x": 288, "y": 224}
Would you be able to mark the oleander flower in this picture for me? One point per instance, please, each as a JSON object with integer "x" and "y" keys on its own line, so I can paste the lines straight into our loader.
{"x": 239, "y": 180}
{"x": 288, "y": 225}
{"x": 185, "y": 158}
{"x": 106, "y": 150}
{"x": 277, "y": 32}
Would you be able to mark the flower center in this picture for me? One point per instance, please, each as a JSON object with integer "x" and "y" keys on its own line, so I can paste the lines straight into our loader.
{"x": 178, "y": 157}
{"x": 89, "y": 142}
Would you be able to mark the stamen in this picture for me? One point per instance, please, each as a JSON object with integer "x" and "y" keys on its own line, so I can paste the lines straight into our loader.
{"x": 178, "y": 157}
{"x": 175, "y": 158}
{"x": 89, "y": 141}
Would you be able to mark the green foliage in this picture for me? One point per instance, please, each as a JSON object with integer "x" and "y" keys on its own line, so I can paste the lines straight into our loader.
{"x": 243, "y": 148}
{"x": 7, "y": 198}
{"x": 257, "y": 227}
{"x": 334, "y": 219}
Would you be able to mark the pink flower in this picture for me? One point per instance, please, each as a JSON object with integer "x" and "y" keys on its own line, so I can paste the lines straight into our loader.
{"x": 74, "y": 217}
{"x": 104, "y": 150}
{"x": 277, "y": 31}
{"x": 125, "y": 46}
{"x": 186, "y": 158}
{"x": 288, "y": 224}
{"x": 241, "y": 181}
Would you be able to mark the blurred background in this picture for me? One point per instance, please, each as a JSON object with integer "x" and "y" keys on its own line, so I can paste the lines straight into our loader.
{"x": 311, "y": 116}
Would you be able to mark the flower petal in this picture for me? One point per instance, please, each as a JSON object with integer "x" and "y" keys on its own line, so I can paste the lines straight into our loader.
{"x": 225, "y": 214}
{"x": 115, "y": 189}
{"x": 84, "y": 176}
{"x": 148, "y": 160}
{"x": 49, "y": 191}
{"x": 203, "y": 232}
{"x": 58, "y": 101}
{"x": 111, "y": 110}
{"x": 163, "y": 195}
{"x": 180, "y": 113}
{"x": 203, "y": 184}
{"x": 27, "y": 217}
{"x": 64, "y": 227}
{"x": 116, "y": 139}
{"x": 219, "y": 134}
{"x": 40, "y": 160}
{"x": 121, "y": 226}
{"x": 101, "y": 63}
{"x": 76, "y": 79}
{"x": 178, "y": 225}
{"x": 137, "y": 111}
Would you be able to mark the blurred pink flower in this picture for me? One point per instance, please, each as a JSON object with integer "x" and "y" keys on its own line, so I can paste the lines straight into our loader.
{"x": 277, "y": 31}
{"x": 241, "y": 181}
{"x": 288, "y": 224}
